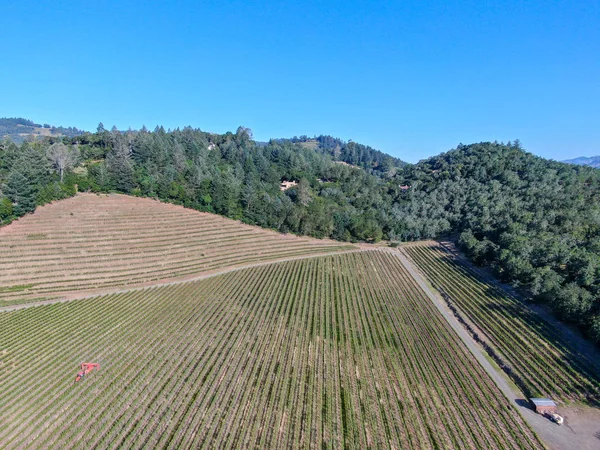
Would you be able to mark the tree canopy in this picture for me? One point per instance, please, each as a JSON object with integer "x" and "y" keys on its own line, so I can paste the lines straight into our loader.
{"x": 535, "y": 222}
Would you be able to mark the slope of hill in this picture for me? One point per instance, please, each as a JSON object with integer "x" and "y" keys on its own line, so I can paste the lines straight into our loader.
{"x": 19, "y": 129}
{"x": 352, "y": 153}
{"x": 535, "y": 222}
{"x": 593, "y": 161}
{"x": 540, "y": 361}
{"x": 226, "y": 174}
{"x": 92, "y": 242}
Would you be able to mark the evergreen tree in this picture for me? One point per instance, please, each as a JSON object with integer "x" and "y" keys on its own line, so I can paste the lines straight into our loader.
{"x": 21, "y": 192}
{"x": 120, "y": 167}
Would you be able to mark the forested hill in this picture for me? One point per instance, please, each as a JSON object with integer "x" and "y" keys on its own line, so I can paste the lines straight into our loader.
{"x": 227, "y": 174}
{"x": 18, "y": 130}
{"x": 353, "y": 153}
{"x": 536, "y": 222}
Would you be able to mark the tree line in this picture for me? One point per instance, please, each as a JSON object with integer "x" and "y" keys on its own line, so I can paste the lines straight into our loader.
{"x": 535, "y": 222}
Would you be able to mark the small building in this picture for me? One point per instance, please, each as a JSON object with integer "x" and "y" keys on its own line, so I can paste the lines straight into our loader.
{"x": 404, "y": 187}
{"x": 285, "y": 185}
{"x": 543, "y": 405}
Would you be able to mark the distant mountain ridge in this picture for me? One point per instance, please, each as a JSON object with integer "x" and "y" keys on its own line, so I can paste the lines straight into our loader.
{"x": 592, "y": 161}
{"x": 18, "y": 129}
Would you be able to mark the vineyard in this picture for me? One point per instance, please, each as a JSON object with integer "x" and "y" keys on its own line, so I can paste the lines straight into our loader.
{"x": 95, "y": 242}
{"x": 337, "y": 351}
{"x": 536, "y": 356}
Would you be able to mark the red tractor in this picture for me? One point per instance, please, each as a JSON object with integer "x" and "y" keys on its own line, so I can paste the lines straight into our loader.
{"x": 85, "y": 369}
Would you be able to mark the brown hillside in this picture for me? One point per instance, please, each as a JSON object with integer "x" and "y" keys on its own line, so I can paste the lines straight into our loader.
{"x": 92, "y": 242}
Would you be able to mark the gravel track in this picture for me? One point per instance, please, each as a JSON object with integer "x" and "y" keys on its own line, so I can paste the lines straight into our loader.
{"x": 79, "y": 295}
{"x": 583, "y": 423}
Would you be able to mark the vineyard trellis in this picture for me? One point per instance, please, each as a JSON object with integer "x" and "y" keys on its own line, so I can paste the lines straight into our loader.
{"x": 539, "y": 359}
{"x": 341, "y": 351}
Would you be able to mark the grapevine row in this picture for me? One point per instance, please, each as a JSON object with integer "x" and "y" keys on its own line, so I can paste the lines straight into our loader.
{"x": 342, "y": 351}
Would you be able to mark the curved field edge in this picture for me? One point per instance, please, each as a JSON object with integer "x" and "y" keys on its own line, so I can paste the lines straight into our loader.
{"x": 530, "y": 350}
{"x": 342, "y": 351}
{"x": 100, "y": 242}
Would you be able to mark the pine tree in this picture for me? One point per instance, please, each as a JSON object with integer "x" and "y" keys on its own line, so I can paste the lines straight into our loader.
{"x": 120, "y": 167}
{"x": 21, "y": 192}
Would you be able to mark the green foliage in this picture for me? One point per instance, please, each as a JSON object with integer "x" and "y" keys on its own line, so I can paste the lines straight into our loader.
{"x": 120, "y": 167}
{"x": 21, "y": 193}
{"x": 535, "y": 222}
{"x": 55, "y": 191}
{"x": 6, "y": 209}
{"x": 353, "y": 153}
{"x": 99, "y": 177}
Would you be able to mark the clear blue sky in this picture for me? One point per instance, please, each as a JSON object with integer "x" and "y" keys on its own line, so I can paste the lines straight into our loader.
{"x": 412, "y": 78}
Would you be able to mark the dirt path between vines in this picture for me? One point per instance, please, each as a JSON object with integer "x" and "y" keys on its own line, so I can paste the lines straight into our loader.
{"x": 582, "y": 424}
{"x": 81, "y": 294}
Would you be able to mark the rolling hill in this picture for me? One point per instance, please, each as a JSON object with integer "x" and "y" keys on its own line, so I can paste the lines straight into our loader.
{"x": 95, "y": 242}
{"x": 341, "y": 351}
{"x": 19, "y": 129}
{"x": 593, "y": 161}
{"x": 532, "y": 221}
{"x": 211, "y": 331}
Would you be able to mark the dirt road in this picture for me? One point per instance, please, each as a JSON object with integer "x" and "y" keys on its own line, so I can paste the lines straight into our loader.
{"x": 79, "y": 295}
{"x": 581, "y": 430}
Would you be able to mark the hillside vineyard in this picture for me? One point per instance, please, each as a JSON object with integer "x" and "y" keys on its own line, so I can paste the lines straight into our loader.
{"x": 533, "y": 221}
{"x": 538, "y": 358}
{"x": 341, "y": 351}
{"x": 97, "y": 242}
